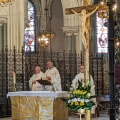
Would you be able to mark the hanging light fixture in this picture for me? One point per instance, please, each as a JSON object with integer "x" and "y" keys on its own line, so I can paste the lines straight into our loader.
{"x": 103, "y": 11}
{"x": 4, "y": 0}
{"x": 4, "y": 3}
{"x": 46, "y": 35}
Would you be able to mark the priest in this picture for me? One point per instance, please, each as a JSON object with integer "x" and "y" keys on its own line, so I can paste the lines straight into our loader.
{"x": 80, "y": 77}
{"x": 52, "y": 74}
{"x": 33, "y": 84}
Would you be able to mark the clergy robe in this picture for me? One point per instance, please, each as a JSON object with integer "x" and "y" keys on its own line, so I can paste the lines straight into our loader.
{"x": 55, "y": 78}
{"x": 75, "y": 85}
{"x": 37, "y": 86}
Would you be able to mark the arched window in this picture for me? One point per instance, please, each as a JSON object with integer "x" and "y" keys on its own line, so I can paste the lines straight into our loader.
{"x": 30, "y": 31}
{"x": 102, "y": 35}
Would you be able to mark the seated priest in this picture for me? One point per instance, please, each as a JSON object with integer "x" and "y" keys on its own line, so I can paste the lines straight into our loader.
{"x": 33, "y": 84}
{"x": 80, "y": 77}
{"x": 52, "y": 74}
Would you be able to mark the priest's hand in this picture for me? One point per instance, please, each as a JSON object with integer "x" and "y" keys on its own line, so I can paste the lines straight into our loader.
{"x": 48, "y": 77}
{"x": 34, "y": 82}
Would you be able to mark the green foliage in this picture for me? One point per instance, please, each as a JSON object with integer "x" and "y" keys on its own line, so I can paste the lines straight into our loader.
{"x": 81, "y": 98}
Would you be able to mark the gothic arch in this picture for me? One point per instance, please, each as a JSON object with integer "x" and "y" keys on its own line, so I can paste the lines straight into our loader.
{"x": 37, "y": 5}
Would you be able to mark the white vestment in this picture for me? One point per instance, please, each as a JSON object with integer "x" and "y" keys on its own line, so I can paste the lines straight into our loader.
{"x": 75, "y": 85}
{"x": 55, "y": 78}
{"x": 37, "y": 86}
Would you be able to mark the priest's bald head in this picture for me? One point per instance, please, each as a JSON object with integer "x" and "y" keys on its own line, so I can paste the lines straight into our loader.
{"x": 82, "y": 69}
{"x": 50, "y": 64}
{"x": 37, "y": 69}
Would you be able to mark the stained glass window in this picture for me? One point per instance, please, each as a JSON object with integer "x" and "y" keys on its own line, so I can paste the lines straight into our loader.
{"x": 30, "y": 31}
{"x": 102, "y": 35}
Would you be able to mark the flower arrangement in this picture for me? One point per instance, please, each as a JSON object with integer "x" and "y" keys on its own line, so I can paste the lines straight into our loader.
{"x": 81, "y": 98}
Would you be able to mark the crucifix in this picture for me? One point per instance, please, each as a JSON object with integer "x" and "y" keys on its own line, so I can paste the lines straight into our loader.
{"x": 84, "y": 13}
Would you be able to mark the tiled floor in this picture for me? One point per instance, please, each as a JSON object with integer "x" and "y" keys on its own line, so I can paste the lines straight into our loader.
{"x": 73, "y": 117}
{"x": 96, "y": 118}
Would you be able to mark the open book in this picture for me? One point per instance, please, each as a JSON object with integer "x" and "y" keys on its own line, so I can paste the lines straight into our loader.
{"x": 44, "y": 81}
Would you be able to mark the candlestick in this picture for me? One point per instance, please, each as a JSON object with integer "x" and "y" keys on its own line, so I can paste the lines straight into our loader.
{"x": 52, "y": 76}
{"x": 14, "y": 88}
{"x": 52, "y": 81}
{"x": 14, "y": 77}
{"x": 14, "y": 81}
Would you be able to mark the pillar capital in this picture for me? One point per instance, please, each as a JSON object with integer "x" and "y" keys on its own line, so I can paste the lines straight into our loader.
{"x": 3, "y": 20}
{"x": 70, "y": 30}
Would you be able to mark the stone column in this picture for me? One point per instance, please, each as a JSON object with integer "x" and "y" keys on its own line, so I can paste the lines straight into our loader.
{"x": 3, "y": 32}
{"x": 1, "y": 36}
{"x": 4, "y": 35}
{"x": 15, "y": 24}
{"x": 26, "y": 13}
{"x": 38, "y": 23}
{"x": 70, "y": 40}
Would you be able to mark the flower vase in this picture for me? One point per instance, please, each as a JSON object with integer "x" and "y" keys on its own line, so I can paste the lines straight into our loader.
{"x": 88, "y": 115}
{"x": 81, "y": 111}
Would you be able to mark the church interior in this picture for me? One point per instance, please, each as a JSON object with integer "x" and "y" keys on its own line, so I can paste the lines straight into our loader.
{"x": 70, "y": 33}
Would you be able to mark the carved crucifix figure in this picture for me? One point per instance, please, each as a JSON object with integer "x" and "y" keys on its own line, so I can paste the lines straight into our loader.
{"x": 83, "y": 27}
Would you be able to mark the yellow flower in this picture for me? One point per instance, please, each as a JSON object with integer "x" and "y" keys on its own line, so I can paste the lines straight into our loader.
{"x": 82, "y": 103}
{"x": 76, "y": 103}
{"x": 72, "y": 103}
{"x": 84, "y": 92}
{"x": 76, "y": 92}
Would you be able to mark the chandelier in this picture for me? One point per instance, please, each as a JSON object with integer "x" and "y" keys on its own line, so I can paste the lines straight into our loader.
{"x": 3, "y": 3}
{"x": 46, "y": 35}
{"x": 103, "y": 11}
{"x": 6, "y": 1}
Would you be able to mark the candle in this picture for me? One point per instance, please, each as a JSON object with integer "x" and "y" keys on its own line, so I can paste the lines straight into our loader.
{"x": 14, "y": 77}
{"x": 52, "y": 77}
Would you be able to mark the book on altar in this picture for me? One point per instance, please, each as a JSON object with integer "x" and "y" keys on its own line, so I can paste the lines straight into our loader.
{"x": 44, "y": 81}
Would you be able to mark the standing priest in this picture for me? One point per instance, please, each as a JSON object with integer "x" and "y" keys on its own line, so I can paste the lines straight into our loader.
{"x": 52, "y": 74}
{"x": 33, "y": 84}
{"x": 80, "y": 77}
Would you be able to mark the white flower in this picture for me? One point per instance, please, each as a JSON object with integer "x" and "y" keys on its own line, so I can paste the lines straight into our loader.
{"x": 88, "y": 94}
{"x": 79, "y": 99}
{"x": 69, "y": 101}
{"x": 71, "y": 88}
{"x": 86, "y": 100}
{"x": 82, "y": 100}
{"x": 74, "y": 100}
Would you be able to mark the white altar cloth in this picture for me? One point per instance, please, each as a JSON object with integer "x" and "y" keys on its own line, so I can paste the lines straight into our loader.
{"x": 57, "y": 94}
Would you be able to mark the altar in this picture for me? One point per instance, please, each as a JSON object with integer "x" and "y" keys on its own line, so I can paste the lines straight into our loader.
{"x": 38, "y": 105}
